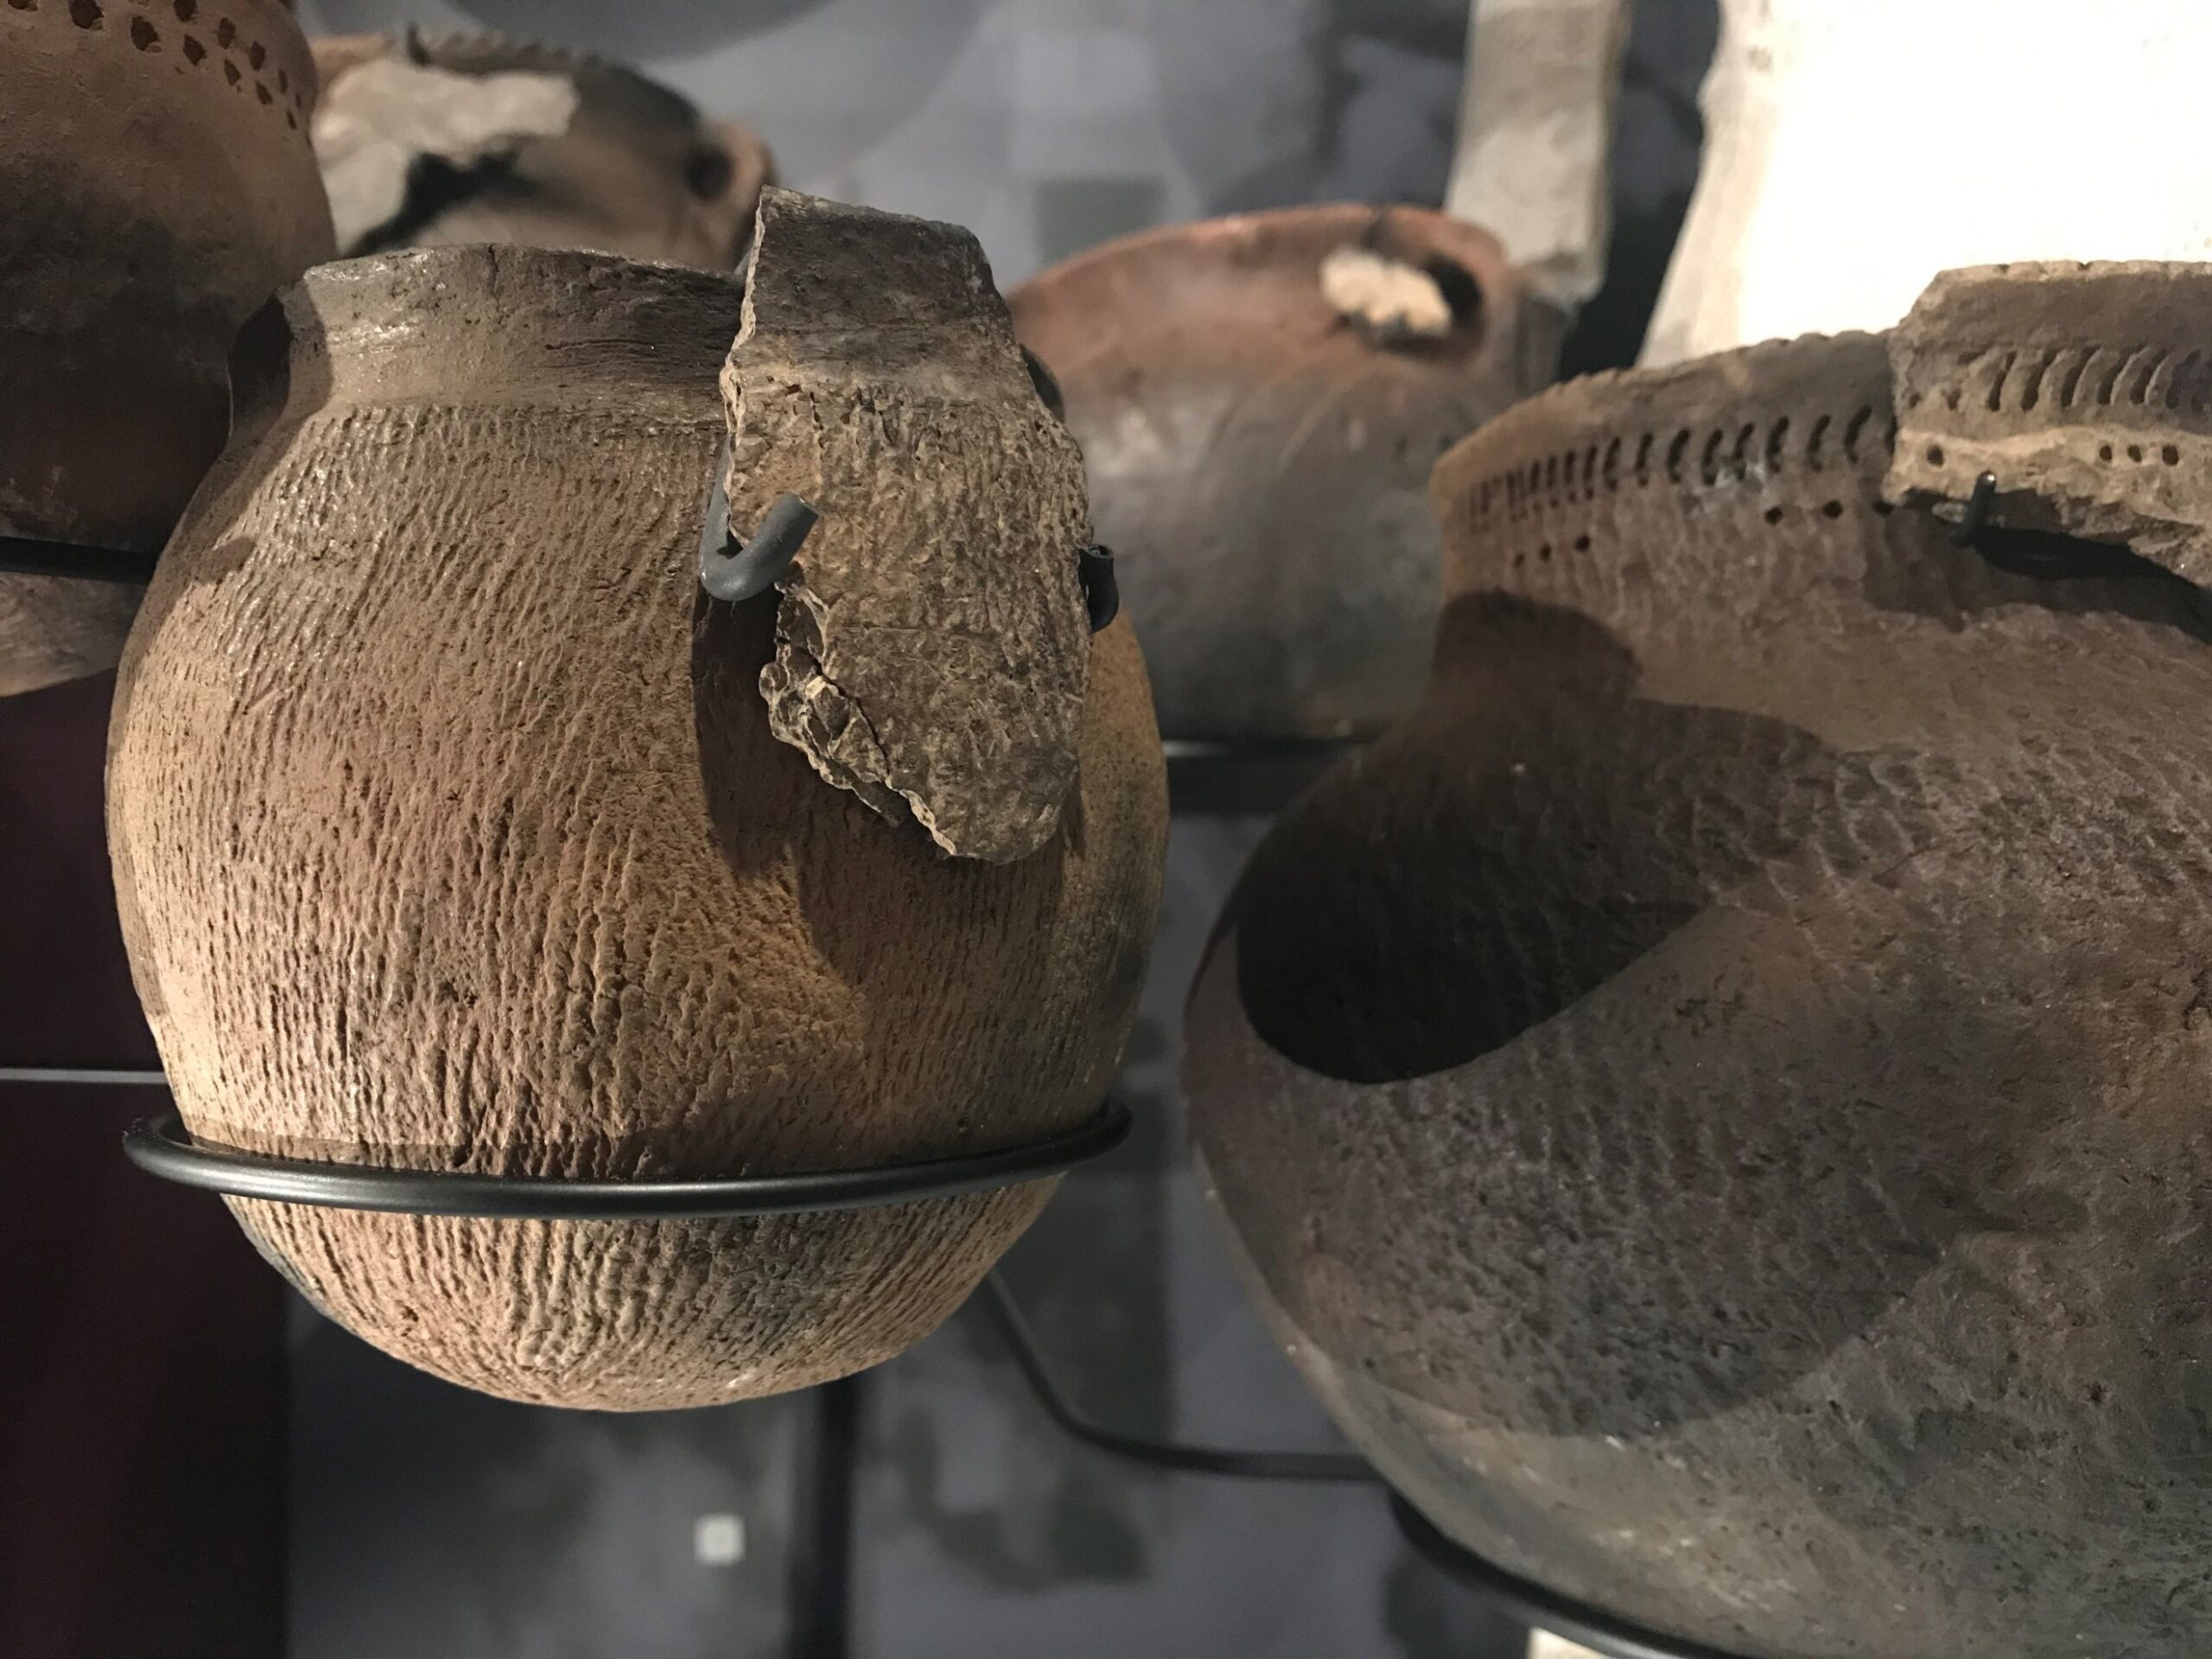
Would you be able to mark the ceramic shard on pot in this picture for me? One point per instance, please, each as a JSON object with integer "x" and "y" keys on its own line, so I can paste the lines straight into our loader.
{"x": 1260, "y": 438}
{"x": 931, "y": 645}
{"x": 157, "y": 186}
{"x": 516, "y": 878}
{"x": 2013, "y": 372}
{"x": 1713, "y": 1102}
{"x": 432, "y": 139}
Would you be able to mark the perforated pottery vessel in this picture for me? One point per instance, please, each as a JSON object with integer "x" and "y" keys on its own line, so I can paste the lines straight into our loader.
{"x": 157, "y": 186}
{"x": 1715, "y": 1102}
{"x": 516, "y": 879}
{"x": 629, "y": 167}
{"x": 1258, "y": 460}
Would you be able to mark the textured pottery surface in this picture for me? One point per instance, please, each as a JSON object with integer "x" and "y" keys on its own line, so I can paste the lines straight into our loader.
{"x": 1715, "y": 1102}
{"x": 945, "y": 684}
{"x": 1259, "y": 459}
{"x": 157, "y": 186}
{"x": 623, "y": 165}
{"x": 514, "y": 878}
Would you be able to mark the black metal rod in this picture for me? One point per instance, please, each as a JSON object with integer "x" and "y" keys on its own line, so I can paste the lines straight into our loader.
{"x": 732, "y": 570}
{"x": 160, "y": 1146}
{"x": 1021, "y": 1343}
{"x": 86, "y": 1077}
{"x": 823, "y": 1530}
{"x": 21, "y": 557}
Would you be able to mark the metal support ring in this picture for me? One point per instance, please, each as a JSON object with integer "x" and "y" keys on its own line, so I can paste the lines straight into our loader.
{"x": 23, "y": 557}
{"x": 161, "y": 1145}
{"x": 1536, "y": 1606}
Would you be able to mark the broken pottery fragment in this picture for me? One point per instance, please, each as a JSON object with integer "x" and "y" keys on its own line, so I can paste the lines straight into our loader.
{"x": 2083, "y": 391}
{"x": 429, "y": 139}
{"x": 931, "y": 644}
{"x": 1713, "y": 1102}
{"x": 156, "y": 187}
{"x": 516, "y": 879}
{"x": 1259, "y": 400}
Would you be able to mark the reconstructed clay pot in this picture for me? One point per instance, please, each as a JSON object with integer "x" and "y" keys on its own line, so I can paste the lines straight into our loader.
{"x": 1715, "y": 1102}
{"x": 157, "y": 186}
{"x": 450, "y": 833}
{"x": 1258, "y": 458}
{"x": 633, "y": 170}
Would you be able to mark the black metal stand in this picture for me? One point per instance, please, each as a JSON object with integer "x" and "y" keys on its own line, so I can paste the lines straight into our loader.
{"x": 21, "y": 556}
{"x": 1542, "y": 1609}
{"x": 821, "y": 1571}
{"x": 1247, "y": 775}
{"x": 1013, "y": 1326}
{"x": 160, "y": 1146}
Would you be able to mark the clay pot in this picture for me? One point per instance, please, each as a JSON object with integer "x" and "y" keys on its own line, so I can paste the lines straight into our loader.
{"x": 157, "y": 186}
{"x": 1258, "y": 457}
{"x": 633, "y": 169}
{"x": 515, "y": 879}
{"x": 1715, "y": 1102}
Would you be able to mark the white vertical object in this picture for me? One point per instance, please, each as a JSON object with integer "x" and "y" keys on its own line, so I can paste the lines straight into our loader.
{"x": 1532, "y": 163}
{"x": 1855, "y": 148}
{"x": 1542, "y": 1645}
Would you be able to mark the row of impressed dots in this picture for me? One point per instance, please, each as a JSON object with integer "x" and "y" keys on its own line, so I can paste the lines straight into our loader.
{"x": 91, "y": 14}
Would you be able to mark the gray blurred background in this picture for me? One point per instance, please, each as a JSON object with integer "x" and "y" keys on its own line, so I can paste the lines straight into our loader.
{"x": 429, "y": 1521}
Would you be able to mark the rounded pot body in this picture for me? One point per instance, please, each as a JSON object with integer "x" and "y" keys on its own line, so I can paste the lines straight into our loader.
{"x": 158, "y": 187}
{"x": 449, "y": 834}
{"x": 1715, "y": 1100}
{"x": 1258, "y": 460}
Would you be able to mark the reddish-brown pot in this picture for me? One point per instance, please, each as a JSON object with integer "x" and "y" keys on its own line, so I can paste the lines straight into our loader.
{"x": 449, "y": 832}
{"x": 1259, "y": 462}
{"x": 1715, "y": 1102}
{"x": 157, "y": 186}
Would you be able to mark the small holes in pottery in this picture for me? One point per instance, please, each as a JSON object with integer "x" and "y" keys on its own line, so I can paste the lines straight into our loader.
{"x": 86, "y": 14}
{"x": 1582, "y": 543}
{"x": 194, "y": 52}
{"x": 226, "y": 32}
{"x": 1773, "y": 515}
{"x": 230, "y": 73}
{"x": 2135, "y": 452}
{"x": 143, "y": 35}
{"x": 258, "y": 56}
{"x": 186, "y": 10}
{"x": 2171, "y": 454}
{"x": 1832, "y": 510}
{"x": 262, "y": 92}
{"x": 1544, "y": 553}
{"x": 24, "y": 5}
{"x": 1883, "y": 508}
{"x": 2104, "y": 451}
{"x": 1935, "y": 455}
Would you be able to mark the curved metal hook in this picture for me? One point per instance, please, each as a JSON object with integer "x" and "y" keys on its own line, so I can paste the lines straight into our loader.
{"x": 730, "y": 569}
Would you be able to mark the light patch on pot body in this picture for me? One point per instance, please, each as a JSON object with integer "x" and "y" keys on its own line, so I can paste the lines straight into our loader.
{"x": 1388, "y": 298}
{"x": 2083, "y": 389}
{"x": 377, "y": 118}
{"x": 931, "y": 645}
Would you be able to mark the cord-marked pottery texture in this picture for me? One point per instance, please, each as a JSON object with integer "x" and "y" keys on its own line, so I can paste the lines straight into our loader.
{"x": 450, "y": 834}
{"x": 1714, "y": 1102}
